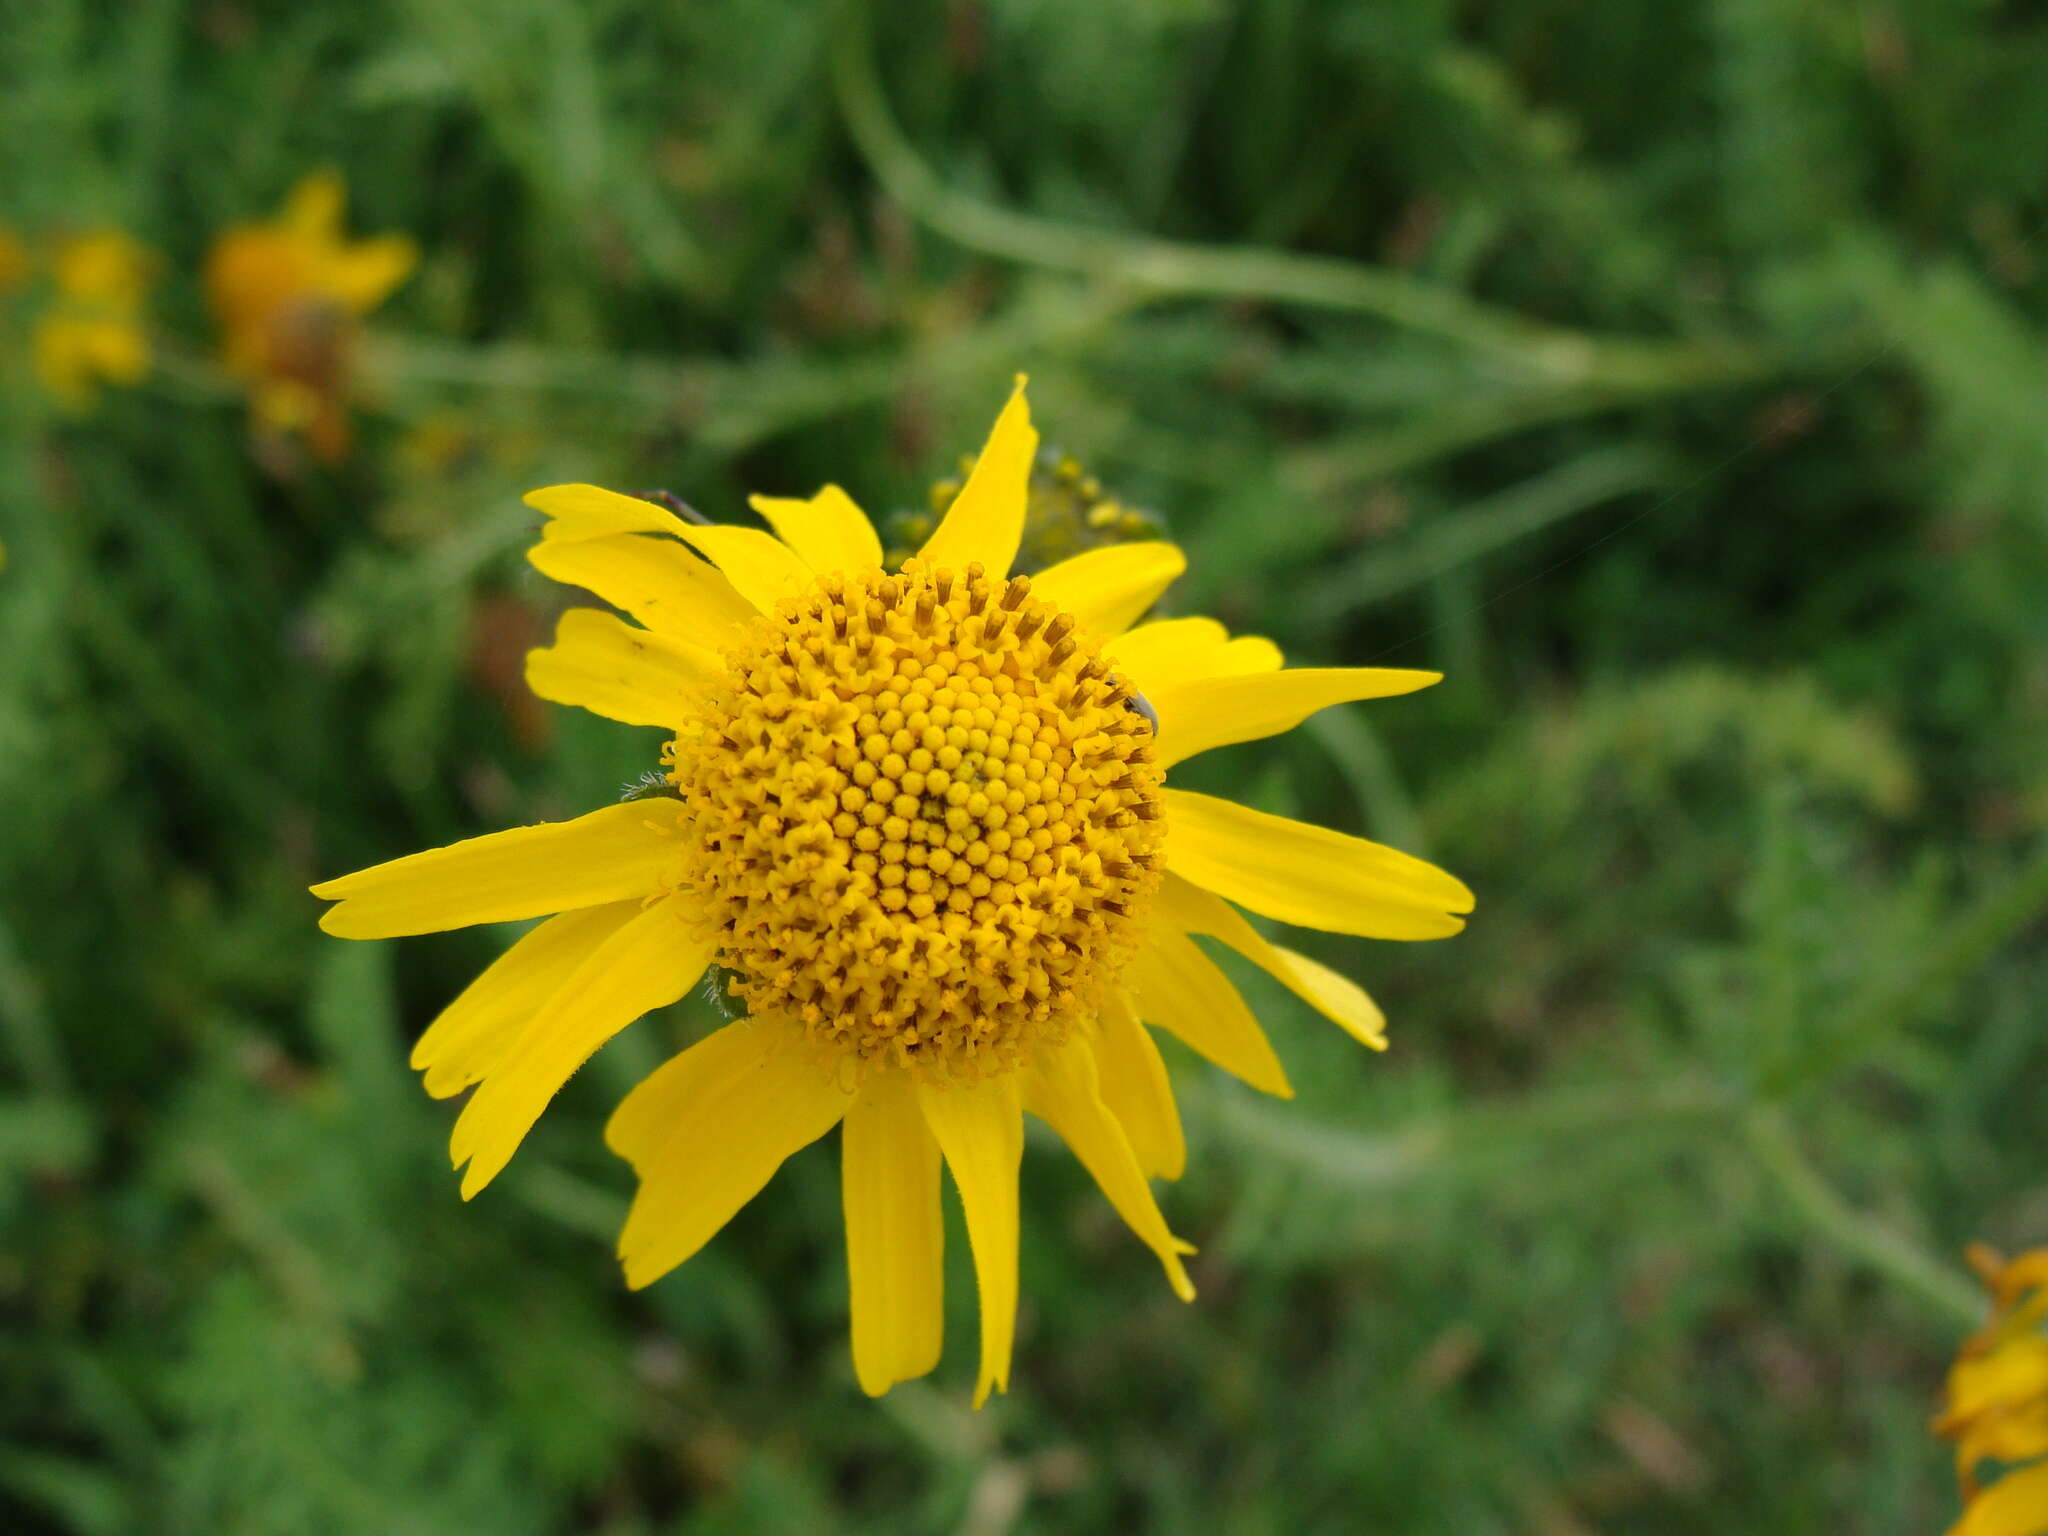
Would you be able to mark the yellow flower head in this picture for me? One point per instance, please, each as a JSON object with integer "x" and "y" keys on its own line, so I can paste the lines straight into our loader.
{"x": 1998, "y": 1401}
{"x": 919, "y": 823}
{"x": 288, "y": 295}
{"x": 92, "y": 332}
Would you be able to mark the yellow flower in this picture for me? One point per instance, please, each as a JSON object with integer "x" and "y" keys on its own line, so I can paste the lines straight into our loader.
{"x": 92, "y": 332}
{"x": 15, "y": 265}
{"x": 918, "y": 823}
{"x": 1998, "y": 1401}
{"x": 288, "y": 295}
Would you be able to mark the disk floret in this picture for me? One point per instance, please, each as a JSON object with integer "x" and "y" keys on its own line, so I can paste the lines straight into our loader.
{"x": 925, "y": 820}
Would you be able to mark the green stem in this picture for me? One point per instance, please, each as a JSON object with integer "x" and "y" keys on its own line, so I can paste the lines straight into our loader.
{"x": 731, "y": 406}
{"x": 1551, "y": 352}
{"x": 1968, "y": 942}
{"x": 1363, "y": 759}
{"x": 1435, "y": 1143}
{"x": 1855, "y": 1234}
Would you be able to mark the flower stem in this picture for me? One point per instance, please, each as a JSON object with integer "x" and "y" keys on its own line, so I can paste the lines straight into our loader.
{"x": 1855, "y": 1234}
{"x": 1559, "y": 355}
{"x": 1966, "y": 944}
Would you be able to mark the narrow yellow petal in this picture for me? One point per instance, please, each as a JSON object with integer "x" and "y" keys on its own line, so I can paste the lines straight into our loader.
{"x": 473, "y": 1033}
{"x": 1107, "y": 590}
{"x": 1061, "y": 1088}
{"x": 762, "y": 568}
{"x": 658, "y": 581}
{"x": 640, "y": 1126}
{"x": 1297, "y": 873}
{"x": 986, "y": 520}
{"x": 1177, "y": 987}
{"x": 601, "y": 663}
{"x": 1193, "y": 910}
{"x": 1137, "y": 1089}
{"x": 895, "y": 1234}
{"x": 1167, "y": 652}
{"x": 591, "y": 512}
{"x": 1198, "y": 714}
{"x": 649, "y": 962}
{"x": 314, "y": 206}
{"x": 708, "y": 1131}
{"x": 980, "y": 1128}
{"x": 366, "y": 273}
{"x": 613, "y": 854}
{"x": 829, "y": 532}
{"x": 2015, "y": 1505}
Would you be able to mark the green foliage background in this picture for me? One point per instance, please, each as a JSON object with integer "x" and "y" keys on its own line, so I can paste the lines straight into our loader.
{"x": 1672, "y": 377}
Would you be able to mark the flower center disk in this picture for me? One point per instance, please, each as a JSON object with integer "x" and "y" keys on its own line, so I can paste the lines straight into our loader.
{"x": 926, "y": 819}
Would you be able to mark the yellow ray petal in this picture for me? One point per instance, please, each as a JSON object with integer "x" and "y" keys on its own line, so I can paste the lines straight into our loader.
{"x": 592, "y": 512}
{"x": 1137, "y": 1090}
{"x": 708, "y": 1131}
{"x": 762, "y": 568}
{"x": 895, "y": 1234}
{"x": 365, "y": 274}
{"x": 2015, "y": 1505}
{"x": 828, "y": 532}
{"x": 1197, "y": 714}
{"x": 1060, "y": 1087}
{"x": 603, "y": 664}
{"x": 1108, "y": 589}
{"x": 314, "y": 206}
{"x": 980, "y": 1128}
{"x": 613, "y": 854}
{"x": 1297, "y": 873}
{"x": 1167, "y": 652}
{"x": 1177, "y": 987}
{"x": 658, "y": 581}
{"x": 639, "y": 1127}
{"x": 653, "y": 959}
{"x": 1193, "y": 910}
{"x": 475, "y": 1031}
{"x": 986, "y": 520}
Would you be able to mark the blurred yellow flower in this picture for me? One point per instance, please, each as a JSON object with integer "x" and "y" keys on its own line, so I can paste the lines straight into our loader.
{"x": 15, "y": 265}
{"x": 92, "y": 332}
{"x": 288, "y": 294}
{"x": 1998, "y": 1401}
{"x": 918, "y": 824}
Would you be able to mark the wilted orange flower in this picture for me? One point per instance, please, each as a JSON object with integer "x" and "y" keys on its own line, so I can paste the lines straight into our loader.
{"x": 288, "y": 294}
{"x": 1998, "y": 1401}
{"x": 92, "y": 333}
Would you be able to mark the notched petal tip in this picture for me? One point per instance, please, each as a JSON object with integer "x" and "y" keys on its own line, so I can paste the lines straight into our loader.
{"x": 638, "y": 1276}
{"x": 340, "y": 922}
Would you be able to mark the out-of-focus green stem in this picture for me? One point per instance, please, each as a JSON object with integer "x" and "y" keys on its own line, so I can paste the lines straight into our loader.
{"x": 1855, "y": 1234}
{"x": 1966, "y": 944}
{"x": 732, "y": 405}
{"x": 1562, "y": 356}
{"x": 1435, "y": 1144}
{"x": 1363, "y": 759}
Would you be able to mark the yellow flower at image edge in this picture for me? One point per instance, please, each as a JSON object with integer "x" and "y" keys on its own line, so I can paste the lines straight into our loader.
{"x": 1997, "y": 1406}
{"x": 15, "y": 263}
{"x": 92, "y": 332}
{"x": 923, "y": 826}
{"x": 288, "y": 295}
